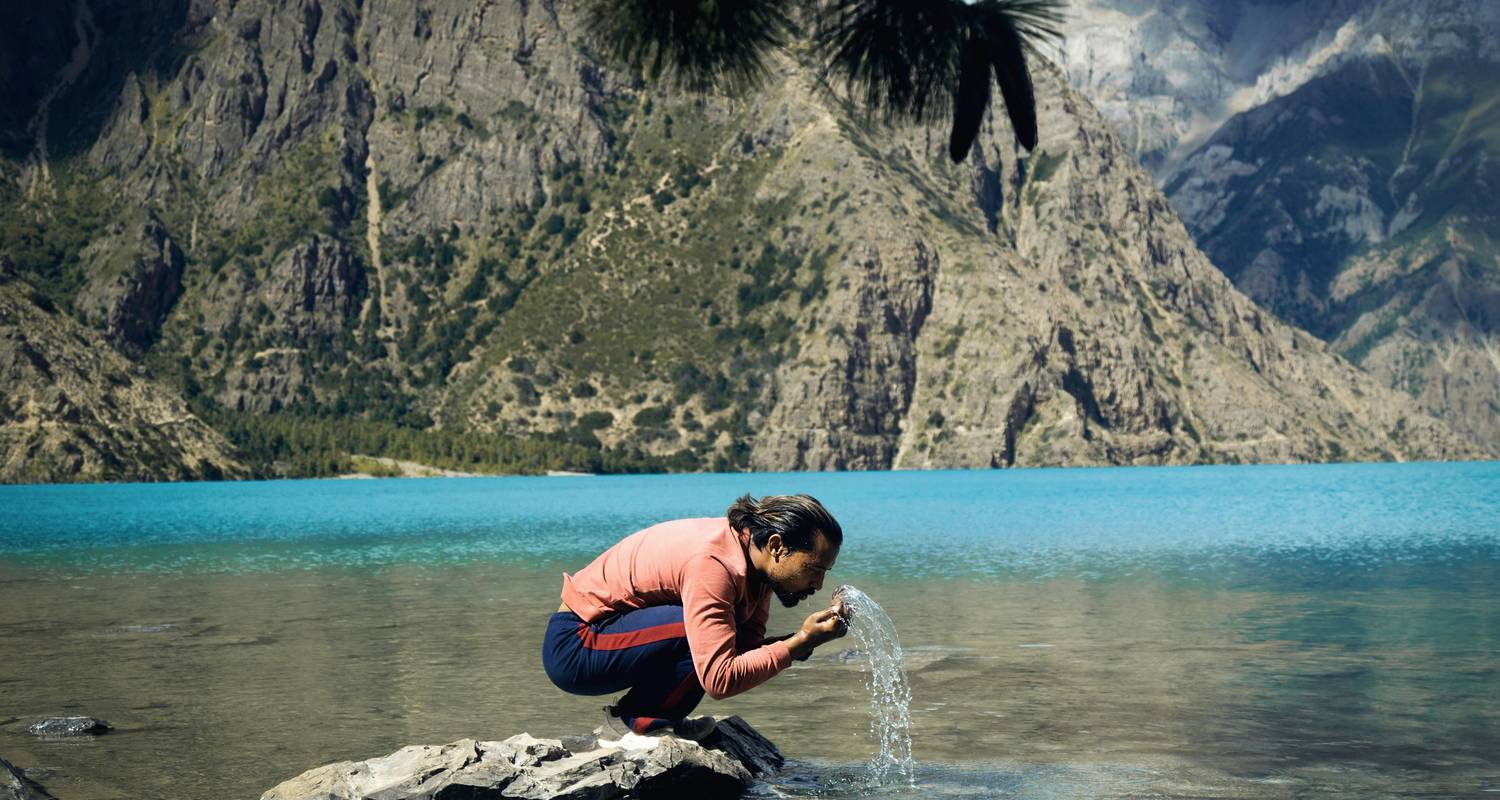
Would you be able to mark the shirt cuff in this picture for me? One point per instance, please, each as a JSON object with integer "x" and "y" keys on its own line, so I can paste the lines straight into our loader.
{"x": 781, "y": 655}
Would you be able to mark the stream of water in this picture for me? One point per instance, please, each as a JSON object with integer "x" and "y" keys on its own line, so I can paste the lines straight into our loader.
{"x": 885, "y": 679}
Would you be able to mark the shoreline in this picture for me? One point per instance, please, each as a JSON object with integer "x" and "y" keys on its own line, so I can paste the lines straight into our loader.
{"x": 371, "y": 467}
{"x": 1019, "y": 470}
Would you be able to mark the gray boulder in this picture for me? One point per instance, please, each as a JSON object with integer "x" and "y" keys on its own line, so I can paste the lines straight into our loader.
{"x": 524, "y": 766}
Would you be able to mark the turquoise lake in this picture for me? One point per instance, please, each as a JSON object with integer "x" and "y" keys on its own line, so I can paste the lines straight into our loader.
{"x": 1268, "y": 631}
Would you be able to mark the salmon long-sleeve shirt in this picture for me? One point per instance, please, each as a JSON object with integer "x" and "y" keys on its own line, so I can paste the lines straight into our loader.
{"x": 702, "y": 565}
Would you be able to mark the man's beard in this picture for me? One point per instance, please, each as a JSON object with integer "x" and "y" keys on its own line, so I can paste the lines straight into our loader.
{"x": 789, "y": 599}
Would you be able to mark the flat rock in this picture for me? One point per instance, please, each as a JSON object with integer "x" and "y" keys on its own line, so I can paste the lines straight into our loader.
{"x": 531, "y": 751}
{"x": 69, "y": 726}
{"x": 736, "y": 739}
{"x": 570, "y": 768}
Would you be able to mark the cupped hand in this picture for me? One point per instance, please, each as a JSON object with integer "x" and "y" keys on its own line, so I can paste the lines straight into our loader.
{"x": 840, "y": 607}
{"x": 823, "y": 626}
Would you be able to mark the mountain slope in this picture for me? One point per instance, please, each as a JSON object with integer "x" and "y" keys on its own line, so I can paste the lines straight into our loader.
{"x": 1085, "y": 329}
{"x": 1337, "y": 161}
{"x": 1363, "y": 207}
{"x": 450, "y": 218}
{"x": 1168, "y": 75}
{"x": 74, "y": 410}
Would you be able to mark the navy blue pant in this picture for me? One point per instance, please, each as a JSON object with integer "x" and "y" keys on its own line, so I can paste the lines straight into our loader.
{"x": 644, "y": 651}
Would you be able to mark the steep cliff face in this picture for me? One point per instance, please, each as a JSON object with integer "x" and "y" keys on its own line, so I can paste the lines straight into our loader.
{"x": 1362, "y": 206}
{"x": 1337, "y": 162}
{"x": 1168, "y": 75}
{"x": 309, "y": 295}
{"x": 75, "y": 410}
{"x": 134, "y": 276}
{"x": 1085, "y": 329}
{"x": 449, "y": 215}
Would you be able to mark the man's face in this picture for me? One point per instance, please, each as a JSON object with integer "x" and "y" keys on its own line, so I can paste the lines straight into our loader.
{"x": 798, "y": 574}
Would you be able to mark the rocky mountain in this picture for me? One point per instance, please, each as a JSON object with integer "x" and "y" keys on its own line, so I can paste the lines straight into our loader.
{"x": 450, "y": 217}
{"x": 1337, "y": 161}
{"x": 75, "y": 410}
{"x": 1168, "y": 75}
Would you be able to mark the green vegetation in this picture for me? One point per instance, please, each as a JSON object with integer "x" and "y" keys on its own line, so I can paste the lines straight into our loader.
{"x": 731, "y": 285}
{"x": 444, "y": 115}
{"x": 365, "y": 465}
{"x": 1357, "y": 352}
{"x": 288, "y": 211}
{"x": 1045, "y": 166}
{"x": 294, "y": 445}
{"x": 46, "y": 237}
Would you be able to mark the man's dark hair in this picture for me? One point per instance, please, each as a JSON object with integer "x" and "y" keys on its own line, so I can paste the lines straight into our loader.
{"x": 797, "y": 517}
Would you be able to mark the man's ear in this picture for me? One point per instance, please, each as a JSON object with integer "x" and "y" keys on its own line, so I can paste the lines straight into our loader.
{"x": 774, "y": 546}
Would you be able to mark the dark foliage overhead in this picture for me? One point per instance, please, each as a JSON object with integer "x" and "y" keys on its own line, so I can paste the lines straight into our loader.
{"x": 911, "y": 59}
{"x": 898, "y": 57}
{"x": 1001, "y": 33}
{"x": 693, "y": 44}
{"x": 972, "y": 99}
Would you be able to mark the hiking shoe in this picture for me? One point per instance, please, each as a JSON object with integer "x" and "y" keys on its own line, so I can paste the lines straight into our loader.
{"x": 615, "y": 726}
{"x": 618, "y": 724}
{"x": 694, "y": 729}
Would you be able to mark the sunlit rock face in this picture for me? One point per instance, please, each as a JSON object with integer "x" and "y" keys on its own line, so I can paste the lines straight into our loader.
{"x": 456, "y": 215}
{"x": 1168, "y": 75}
{"x": 724, "y": 764}
{"x": 74, "y": 409}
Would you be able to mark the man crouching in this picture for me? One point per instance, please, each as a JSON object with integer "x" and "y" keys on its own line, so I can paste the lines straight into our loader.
{"x": 680, "y": 609}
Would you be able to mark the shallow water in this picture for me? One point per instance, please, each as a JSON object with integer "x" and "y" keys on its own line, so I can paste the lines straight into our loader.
{"x": 1227, "y": 632}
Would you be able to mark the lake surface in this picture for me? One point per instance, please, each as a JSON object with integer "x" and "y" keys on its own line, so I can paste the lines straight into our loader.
{"x": 1276, "y": 632}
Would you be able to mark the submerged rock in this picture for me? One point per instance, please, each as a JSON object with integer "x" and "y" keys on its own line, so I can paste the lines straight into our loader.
{"x": 524, "y": 766}
{"x": 14, "y": 785}
{"x": 69, "y": 726}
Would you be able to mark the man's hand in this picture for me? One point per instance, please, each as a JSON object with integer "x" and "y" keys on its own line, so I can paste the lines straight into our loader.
{"x": 840, "y": 608}
{"x": 819, "y": 628}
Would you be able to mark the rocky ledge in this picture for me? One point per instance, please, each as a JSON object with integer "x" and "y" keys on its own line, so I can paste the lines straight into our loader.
{"x": 571, "y": 768}
{"x": 14, "y": 785}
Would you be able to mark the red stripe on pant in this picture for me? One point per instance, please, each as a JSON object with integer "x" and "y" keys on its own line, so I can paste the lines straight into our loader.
{"x": 688, "y": 684}
{"x": 620, "y": 641}
{"x": 642, "y": 724}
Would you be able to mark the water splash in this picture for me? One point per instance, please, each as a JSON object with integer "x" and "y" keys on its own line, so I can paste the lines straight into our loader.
{"x": 885, "y": 678}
